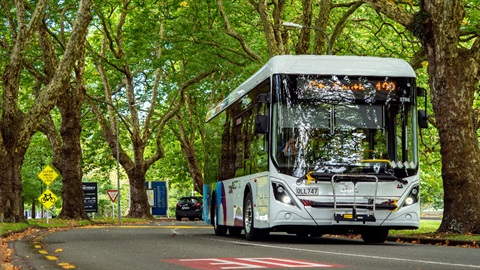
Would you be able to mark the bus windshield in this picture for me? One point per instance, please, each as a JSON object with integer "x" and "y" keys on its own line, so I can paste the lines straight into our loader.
{"x": 344, "y": 124}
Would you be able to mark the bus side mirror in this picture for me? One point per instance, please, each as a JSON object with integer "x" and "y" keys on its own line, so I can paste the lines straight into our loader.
{"x": 261, "y": 124}
{"x": 422, "y": 114}
{"x": 422, "y": 119}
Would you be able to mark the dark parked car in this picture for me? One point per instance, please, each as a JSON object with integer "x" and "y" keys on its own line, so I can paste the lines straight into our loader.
{"x": 190, "y": 207}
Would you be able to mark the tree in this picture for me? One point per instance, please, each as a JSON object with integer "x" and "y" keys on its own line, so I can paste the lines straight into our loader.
{"x": 446, "y": 36}
{"x": 66, "y": 145}
{"x": 188, "y": 132}
{"x": 449, "y": 33}
{"x": 16, "y": 126}
{"x": 139, "y": 90}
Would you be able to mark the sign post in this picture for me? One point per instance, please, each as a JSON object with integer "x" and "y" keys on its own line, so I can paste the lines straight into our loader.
{"x": 113, "y": 194}
{"x": 48, "y": 198}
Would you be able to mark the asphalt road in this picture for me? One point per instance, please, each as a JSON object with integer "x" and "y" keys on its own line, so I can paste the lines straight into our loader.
{"x": 192, "y": 245}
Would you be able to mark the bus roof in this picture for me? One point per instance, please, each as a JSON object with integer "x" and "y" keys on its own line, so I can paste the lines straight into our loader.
{"x": 321, "y": 65}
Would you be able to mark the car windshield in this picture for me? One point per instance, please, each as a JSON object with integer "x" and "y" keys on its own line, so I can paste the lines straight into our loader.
{"x": 330, "y": 125}
{"x": 189, "y": 200}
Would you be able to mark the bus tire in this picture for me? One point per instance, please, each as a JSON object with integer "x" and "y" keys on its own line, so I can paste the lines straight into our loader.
{"x": 219, "y": 230}
{"x": 251, "y": 233}
{"x": 375, "y": 235}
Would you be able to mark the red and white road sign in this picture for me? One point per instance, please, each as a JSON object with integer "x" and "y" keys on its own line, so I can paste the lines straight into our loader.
{"x": 113, "y": 194}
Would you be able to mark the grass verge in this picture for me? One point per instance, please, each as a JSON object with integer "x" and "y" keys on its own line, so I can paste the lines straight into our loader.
{"x": 428, "y": 230}
{"x": 7, "y": 228}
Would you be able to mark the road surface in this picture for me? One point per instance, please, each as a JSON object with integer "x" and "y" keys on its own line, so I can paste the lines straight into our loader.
{"x": 192, "y": 245}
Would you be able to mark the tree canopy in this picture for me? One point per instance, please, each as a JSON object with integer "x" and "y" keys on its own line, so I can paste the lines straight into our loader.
{"x": 151, "y": 70}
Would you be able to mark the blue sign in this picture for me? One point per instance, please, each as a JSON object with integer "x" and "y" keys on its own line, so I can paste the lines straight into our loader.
{"x": 160, "y": 197}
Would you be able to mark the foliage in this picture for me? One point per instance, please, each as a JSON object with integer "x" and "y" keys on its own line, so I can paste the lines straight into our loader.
{"x": 38, "y": 155}
{"x": 194, "y": 39}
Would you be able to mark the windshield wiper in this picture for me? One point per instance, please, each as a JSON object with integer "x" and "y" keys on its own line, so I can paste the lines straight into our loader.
{"x": 327, "y": 177}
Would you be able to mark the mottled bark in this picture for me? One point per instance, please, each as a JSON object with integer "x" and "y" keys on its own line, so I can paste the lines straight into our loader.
{"x": 453, "y": 77}
{"x": 272, "y": 31}
{"x": 11, "y": 149}
{"x": 321, "y": 22}
{"x": 303, "y": 44}
{"x": 66, "y": 145}
{"x": 139, "y": 206}
{"x": 17, "y": 128}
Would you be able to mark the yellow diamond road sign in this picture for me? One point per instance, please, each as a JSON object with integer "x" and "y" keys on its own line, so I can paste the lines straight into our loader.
{"x": 47, "y": 198}
{"x": 48, "y": 175}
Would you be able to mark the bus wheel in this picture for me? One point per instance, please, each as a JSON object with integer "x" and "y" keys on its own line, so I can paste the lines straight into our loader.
{"x": 375, "y": 235}
{"x": 219, "y": 230}
{"x": 251, "y": 233}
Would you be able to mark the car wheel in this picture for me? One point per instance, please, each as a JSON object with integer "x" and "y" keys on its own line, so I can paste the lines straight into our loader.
{"x": 179, "y": 218}
{"x": 251, "y": 233}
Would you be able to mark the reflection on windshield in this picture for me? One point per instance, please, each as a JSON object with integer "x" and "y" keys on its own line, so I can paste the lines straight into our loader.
{"x": 330, "y": 127}
{"x": 326, "y": 135}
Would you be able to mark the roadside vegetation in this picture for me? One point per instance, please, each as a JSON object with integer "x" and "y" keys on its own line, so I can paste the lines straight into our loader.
{"x": 428, "y": 230}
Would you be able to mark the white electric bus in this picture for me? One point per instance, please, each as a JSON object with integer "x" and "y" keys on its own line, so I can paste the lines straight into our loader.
{"x": 311, "y": 145}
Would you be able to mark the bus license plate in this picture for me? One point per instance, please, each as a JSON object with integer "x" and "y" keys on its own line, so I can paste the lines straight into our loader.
{"x": 307, "y": 191}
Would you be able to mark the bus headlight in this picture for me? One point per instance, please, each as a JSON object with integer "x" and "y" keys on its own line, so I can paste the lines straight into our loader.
{"x": 286, "y": 199}
{"x": 281, "y": 194}
{"x": 412, "y": 197}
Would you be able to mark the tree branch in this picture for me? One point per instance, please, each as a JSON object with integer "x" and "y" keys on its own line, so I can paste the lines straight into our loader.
{"x": 343, "y": 22}
{"x": 391, "y": 10}
{"x": 234, "y": 34}
{"x": 160, "y": 125}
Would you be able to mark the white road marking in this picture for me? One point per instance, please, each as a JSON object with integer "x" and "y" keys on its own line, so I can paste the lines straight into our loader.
{"x": 340, "y": 253}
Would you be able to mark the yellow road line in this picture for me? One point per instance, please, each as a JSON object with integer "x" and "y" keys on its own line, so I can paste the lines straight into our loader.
{"x": 65, "y": 265}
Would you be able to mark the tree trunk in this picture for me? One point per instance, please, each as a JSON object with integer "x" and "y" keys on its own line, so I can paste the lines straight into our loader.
{"x": 11, "y": 191}
{"x": 139, "y": 207}
{"x": 321, "y": 22}
{"x": 70, "y": 164}
{"x": 17, "y": 128}
{"x": 303, "y": 44}
{"x": 188, "y": 149}
{"x": 453, "y": 78}
{"x": 66, "y": 145}
{"x": 34, "y": 209}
